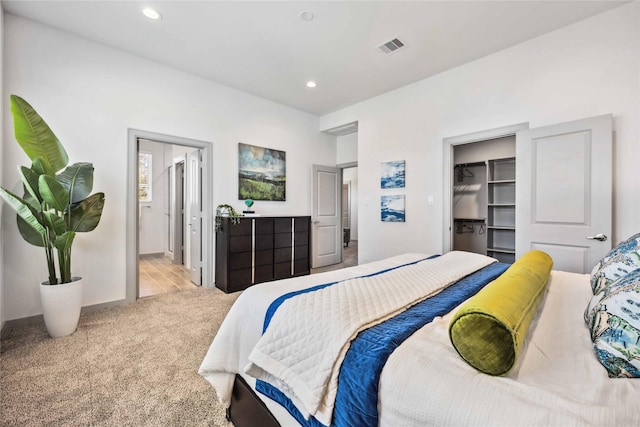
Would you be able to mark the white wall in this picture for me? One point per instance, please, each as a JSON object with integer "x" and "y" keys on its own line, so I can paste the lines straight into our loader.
{"x": 347, "y": 148}
{"x": 583, "y": 70}
{"x": 153, "y": 224}
{"x": 90, "y": 95}
{"x": 2, "y": 144}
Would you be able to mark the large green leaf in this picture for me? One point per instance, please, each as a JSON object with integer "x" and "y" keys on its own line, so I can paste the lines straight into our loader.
{"x": 85, "y": 215}
{"x": 42, "y": 167}
{"x": 55, "y": 223}
{"x": 29, "y": 234}
{"x": 35, "y": 204}
{"x": 64, "y": 241}
{"x": 53, "y": 193}
{"x": 77, "y": 179}
{"x": 23, "y": 209}
{"x": 30, "y": 181}
{"x": 34, "y": 135}
{"x": 30, "y": 228}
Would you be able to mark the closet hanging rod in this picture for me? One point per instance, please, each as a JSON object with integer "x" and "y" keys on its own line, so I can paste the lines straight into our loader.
{"x": 468, "y": 165}
{"x": 469, "y": 220}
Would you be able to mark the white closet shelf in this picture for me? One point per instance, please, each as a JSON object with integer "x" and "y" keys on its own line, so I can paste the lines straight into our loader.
{"x": 502, "y": 227}
{"x": 502, "y": 250}
{"x": 503, "y": 181}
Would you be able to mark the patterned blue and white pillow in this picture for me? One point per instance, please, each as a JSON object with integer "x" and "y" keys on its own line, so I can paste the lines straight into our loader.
{"x": 619, "y": 262}
{"x": 613, "y": 317}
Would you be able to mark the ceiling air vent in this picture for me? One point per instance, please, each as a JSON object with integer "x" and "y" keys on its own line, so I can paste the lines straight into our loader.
{"x": 391, "y": 46}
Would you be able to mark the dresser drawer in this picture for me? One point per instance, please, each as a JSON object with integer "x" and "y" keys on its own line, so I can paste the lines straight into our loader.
{"x": 264, "y": 241}
{"x": 282, "y": 240}
{"x": 282, "y": 270}
{"x": 239, "y": 279}
{"x": 301, "y": 252}
{"x": 240, "y": 244}
{"x": 240, "y": 260}
{"x": 301, "y": 266}
{"x": 241, "y": 229}
{"x": 282, "y": 225}
{"x": 263, "y": 273}
{"x": 263, "y": 226}
{"x": 301, "y": 224}
{"x": 301, "y": 238}
{"x": 282, "y": 255}
{"x": 264, "y": 257}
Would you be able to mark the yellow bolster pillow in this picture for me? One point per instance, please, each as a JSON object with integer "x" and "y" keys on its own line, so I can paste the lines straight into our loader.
{"x": 488, "y": 331}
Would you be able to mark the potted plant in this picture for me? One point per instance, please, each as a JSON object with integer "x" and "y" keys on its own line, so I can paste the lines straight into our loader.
{"x": 226, "y": 210}
{"x": 55, "y": 206}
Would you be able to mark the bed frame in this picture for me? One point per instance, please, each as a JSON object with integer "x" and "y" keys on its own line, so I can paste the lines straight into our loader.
{"x": 246, "y": 409}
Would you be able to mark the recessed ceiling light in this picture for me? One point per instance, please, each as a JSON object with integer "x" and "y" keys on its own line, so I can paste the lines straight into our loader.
{"x": 152, "y": 13}
{"x": 306, "y": 16}
{"x": 311, "y": 83}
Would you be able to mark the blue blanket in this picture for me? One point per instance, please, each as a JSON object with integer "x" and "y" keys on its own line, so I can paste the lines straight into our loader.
{"x": 357, "y": 396}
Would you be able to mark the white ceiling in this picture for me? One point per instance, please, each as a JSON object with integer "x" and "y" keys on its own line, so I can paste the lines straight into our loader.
{"x": 266, "y": 49}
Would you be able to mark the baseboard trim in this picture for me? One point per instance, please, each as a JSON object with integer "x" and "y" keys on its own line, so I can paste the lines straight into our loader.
{"x": 153, "y": 255}
{"x": 39, "y": 319}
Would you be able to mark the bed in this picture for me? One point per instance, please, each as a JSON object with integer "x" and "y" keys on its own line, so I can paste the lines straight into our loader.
{"x": 555, "y": 380}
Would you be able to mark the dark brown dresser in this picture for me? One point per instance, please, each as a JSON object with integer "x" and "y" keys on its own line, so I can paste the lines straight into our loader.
{"x": 260, "y": 249}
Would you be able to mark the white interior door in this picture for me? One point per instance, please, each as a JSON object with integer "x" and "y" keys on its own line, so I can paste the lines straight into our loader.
{"x": 194, "y": 191}
{"x": 326, "y": 212}
{"x": 563, "y": 195}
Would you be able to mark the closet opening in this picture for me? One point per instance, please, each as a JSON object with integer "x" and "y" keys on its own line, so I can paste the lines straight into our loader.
{"x": 480, "y": 193}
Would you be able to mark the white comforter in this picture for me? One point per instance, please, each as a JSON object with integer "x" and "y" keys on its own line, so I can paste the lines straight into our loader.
{"x": 302, "y": 355}
{"x": 557, "y": 381}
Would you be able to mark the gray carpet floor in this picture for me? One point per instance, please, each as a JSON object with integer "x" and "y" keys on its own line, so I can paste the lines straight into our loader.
{"x": 134, "y": 365}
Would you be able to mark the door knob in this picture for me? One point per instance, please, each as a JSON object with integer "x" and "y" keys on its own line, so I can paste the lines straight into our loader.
{"x": 601, "y": 237}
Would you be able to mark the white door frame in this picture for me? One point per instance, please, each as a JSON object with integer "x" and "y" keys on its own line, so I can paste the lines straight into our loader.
{"x": 449, "y": 144}
{"x": 132, "y": 239}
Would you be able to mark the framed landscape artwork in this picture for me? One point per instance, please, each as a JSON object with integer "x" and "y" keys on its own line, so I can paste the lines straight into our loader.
{"x": 261, "y": 173}
{"x": 392, "y": 208}
{"x": 392, "y": 174}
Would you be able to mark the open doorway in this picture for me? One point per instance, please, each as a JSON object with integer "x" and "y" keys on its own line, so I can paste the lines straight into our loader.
{"x": 168, "y": 185}
{"x": 350, "y": 215}
{"x": 346, "y": 163}
{"x": 168, "y": 248}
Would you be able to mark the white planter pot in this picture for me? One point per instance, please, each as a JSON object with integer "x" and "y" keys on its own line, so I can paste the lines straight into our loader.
{"x": 61, "y": 306}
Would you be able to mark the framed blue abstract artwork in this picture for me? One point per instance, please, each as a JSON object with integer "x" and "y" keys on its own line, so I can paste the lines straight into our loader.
{"x": 392, "y": 174}
{"x": 392, "y": 208}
